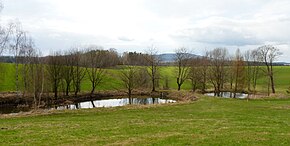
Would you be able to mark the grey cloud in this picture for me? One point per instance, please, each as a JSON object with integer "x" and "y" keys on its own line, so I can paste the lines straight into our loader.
{"x": 218, "y": 35}
{"x": 228, "y": 31}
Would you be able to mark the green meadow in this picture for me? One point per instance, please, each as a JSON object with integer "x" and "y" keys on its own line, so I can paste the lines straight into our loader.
{"x": 7, "y": 77}
{"x": 207, "y": 121}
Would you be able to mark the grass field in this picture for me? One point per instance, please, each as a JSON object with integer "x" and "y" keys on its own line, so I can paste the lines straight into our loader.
{"x": 281, "y": 77}
{"x": 7, "y": 77}
{"x": 208, "y": 121}
{"x": 112, "y": 81}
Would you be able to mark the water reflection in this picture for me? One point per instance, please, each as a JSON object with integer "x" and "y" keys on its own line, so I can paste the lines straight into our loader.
{"x": 115, "y": 103}
{"x": 228, "y": 95}
{"x": 91, "y": 104}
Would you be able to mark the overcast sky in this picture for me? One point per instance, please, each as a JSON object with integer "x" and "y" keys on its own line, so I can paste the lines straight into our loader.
{"x": 134, "y": 25}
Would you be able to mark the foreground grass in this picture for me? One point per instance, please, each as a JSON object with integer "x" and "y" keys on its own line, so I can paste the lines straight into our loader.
{"x": 208, "y": 121}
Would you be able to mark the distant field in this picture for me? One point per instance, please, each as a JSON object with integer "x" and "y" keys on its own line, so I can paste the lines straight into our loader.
{"x": 112, "y": 80}
{"x": 282, "y": 79}
{"x": 207, "y": 121}
{"x": 7, "y": 77}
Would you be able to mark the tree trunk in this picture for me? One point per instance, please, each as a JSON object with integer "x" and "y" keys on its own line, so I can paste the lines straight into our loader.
{"x": 236, "y": 82}
{"x": 93, "y": 88}
{"x": 270, "y": 74}
{"x": 204, "y": 84}
{"x": 272, "y": 83}
{"x": 153, "y": 84}
{"x": 153, "y": 100}
{"x": 55, "y": 89}
{"x": 93, "y": 103}
{"x": 129, "y": 92}
{"x": 249, "y": 76}
{"x": 67, "y": 89}
{"x": 55, "y": 93}
{"x": 193, "y": 85}
{"x": 153, "y": 77}
{"x": 178, "y": 84}
{"x": 268, "y": 87}
{"x": 16, "y": 76}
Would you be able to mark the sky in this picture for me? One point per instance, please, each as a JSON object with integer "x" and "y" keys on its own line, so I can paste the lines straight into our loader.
{"x": 136, "y": 25}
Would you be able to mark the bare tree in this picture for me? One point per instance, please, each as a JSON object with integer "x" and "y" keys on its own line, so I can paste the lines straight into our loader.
{"x": 68, "y": 70}
{"x": 79, "y": 71}
{"x": 218, "y": 71}
{"x": 231, "y": 73}
{"x": 195, "y": 73}
{"x": 38, "y": 78}
{"x": 252, "y": 59}
{"x": 182, "y": 59}
{"x": 18, "y": 42}
{"x": 268, "y": 55}
{"x": 239, "y": 72}
{"x": 204, "y": 67}
{"x": 255, "y": 68}
{"x": 25, "y": 58}
{"x": 129, "y": 78}
{"x": 95, "y": 63}
{"x": 153, "y": 62}
{"x": 33, "y": 75}
{"x": 166, "y": 82}
{"x": 247, "y": 57}
{"x": 54, "y": 69}
{"x": 144, "y": 79}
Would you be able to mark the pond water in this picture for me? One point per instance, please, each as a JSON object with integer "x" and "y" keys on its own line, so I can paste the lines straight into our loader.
{"x": 93, "y": 104}
{"x": 115, "y": 103}
{"x": 229, "y": 95}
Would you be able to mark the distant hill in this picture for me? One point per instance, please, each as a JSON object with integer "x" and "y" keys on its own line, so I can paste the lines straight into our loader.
{"x": 7, "y": 59}
{"x": 166, "y": 58}
{"x": 281, "y": 63}
{"x": 170, "y": 57}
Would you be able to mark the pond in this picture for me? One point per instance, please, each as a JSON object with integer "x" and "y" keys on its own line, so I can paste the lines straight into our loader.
{"x": 229, "y": 95}
{"x": 93, "y": 104}
{"x": 115, "y": 103}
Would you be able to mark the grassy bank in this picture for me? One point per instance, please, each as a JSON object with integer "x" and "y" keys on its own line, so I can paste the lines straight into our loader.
{"x": 208, "y": 121}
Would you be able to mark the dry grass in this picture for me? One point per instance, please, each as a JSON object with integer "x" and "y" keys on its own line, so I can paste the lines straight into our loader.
{"x": 182, "y": 95}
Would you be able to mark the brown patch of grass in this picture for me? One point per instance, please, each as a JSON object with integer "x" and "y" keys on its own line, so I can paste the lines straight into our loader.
{"x": 182, "y": 95}
{"x": 271, "y": 96}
